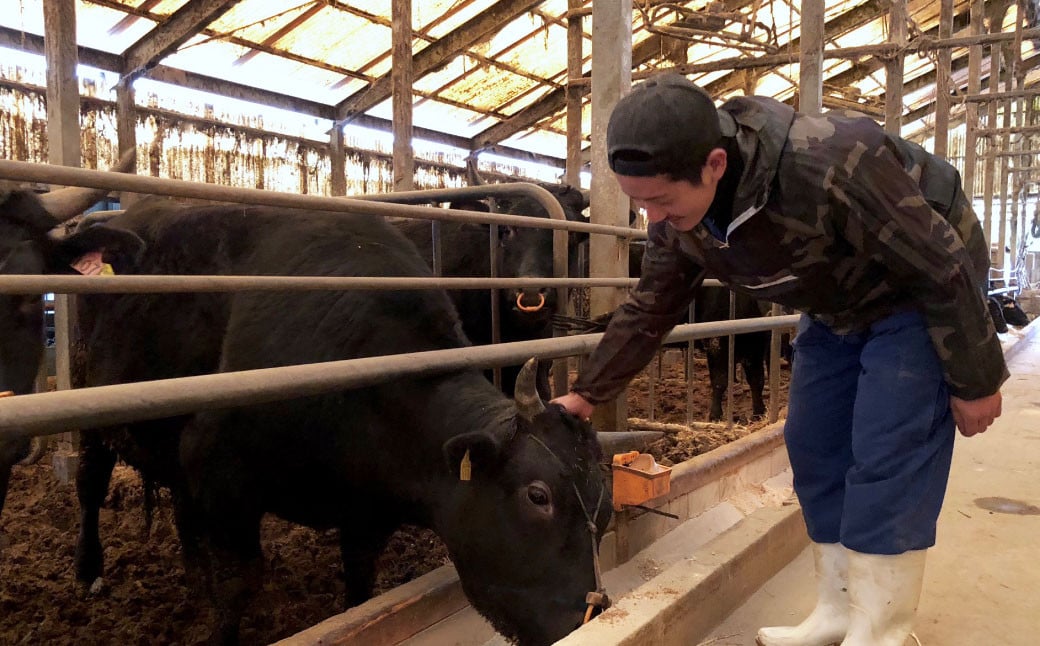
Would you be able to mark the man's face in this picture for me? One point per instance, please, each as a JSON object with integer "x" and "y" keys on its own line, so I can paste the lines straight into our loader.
{"x": 679, "y": 203}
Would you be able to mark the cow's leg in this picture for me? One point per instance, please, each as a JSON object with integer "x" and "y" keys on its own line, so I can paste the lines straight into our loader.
{"x": 236, "y": 568}
{"x": 11, "y": 451}
{"x": 229, "y": 509}
{"x": 360, "y": 544}
{"x": 189, "y": 531}
{"x": 717, "y": 352}
{"x": 93, "y": 475}
{"x": 753, "y": 360}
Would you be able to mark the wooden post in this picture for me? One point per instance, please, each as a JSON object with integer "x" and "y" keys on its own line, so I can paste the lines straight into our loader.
{"x": 971, "y": 117}
{"x": 990, "y": 162}
{"x": 611, "y": 79}
{"x": 943, "y": 69}
{"x": 59, "y": 17}
{"x": 401, "y": 78}
{"x": 62, "y": 57}
{"x": 126, "y": 130}
{"x": 810, "y": 63}
{"x": 338, "y": 159}
{"x": 894, "y": 68}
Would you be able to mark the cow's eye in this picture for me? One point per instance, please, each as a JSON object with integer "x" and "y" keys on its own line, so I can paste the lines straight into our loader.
{"x": 539, "y": 494}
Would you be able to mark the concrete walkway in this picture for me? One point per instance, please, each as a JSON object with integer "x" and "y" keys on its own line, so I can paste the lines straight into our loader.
{"x": 982, "y": 582}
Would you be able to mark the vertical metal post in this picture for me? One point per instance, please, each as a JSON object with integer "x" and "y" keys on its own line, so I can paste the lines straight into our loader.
{"x": 774, "y": 369}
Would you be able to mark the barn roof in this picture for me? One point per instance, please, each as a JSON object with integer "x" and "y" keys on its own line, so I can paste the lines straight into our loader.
{"x": 489, "y": 73}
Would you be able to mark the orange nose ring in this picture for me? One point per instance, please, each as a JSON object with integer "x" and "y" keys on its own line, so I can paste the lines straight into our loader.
{"x": 520, "y": 306}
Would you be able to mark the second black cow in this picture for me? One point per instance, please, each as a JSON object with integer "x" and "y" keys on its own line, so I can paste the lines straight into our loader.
{"x": 526, "y": 313}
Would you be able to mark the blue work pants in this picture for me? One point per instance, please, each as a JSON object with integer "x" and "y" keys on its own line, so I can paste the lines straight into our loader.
{"x": 870, "y": 434}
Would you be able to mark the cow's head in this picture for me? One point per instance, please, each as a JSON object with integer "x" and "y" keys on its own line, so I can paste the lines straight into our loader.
{"x": 28, "y": 245}
{"x": 519, "y": 531}
{"x": 527, "y": 252}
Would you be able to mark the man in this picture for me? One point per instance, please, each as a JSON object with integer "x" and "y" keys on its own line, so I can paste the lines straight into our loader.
{"x": 873, "y": 239}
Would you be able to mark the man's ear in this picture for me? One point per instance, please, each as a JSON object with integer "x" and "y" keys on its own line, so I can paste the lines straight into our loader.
{"x": 716, "y": 164}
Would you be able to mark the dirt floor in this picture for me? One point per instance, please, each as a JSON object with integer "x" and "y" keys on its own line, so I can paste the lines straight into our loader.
{"x": 146, "y": 600}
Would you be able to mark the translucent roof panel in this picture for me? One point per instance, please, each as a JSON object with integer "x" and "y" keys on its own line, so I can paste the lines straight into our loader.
{"x": 330, "y": 50}
{"x": 96, "y": 26}
{"x": 219, "y": 59}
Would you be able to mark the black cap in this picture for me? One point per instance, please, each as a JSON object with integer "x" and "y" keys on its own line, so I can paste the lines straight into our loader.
{"x": 664, "y": 124}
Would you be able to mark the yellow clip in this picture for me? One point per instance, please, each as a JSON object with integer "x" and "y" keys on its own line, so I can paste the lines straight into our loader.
{"x": 465, "y": 468}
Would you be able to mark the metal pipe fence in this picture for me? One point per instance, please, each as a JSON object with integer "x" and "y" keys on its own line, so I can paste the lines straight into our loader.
{"x": 56, "y": 412}
{"x": 395, "y": 205}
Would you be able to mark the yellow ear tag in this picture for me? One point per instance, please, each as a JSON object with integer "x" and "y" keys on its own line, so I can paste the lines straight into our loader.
{"x": 106, "y": 269}
{"x": 465, "y": 468}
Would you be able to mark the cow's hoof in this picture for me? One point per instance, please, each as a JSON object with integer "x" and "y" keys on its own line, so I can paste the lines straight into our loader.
{"x": 98, "y": 587}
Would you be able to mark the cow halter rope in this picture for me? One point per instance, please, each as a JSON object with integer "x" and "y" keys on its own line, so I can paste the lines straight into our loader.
{"x": 597, "y": 598}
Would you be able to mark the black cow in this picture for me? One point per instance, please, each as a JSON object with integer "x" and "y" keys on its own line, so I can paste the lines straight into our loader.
{"x": 996, "y": 312}
{"x": 523, "y": 252}
{"x": 750, "y": 350}
{"x": 363, "y": 461}
{"x": 27, "y": 248}
{"x": 1010, "y": 310}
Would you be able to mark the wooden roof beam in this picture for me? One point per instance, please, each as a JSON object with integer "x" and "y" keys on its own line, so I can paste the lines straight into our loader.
{"x": 176, "y": 30}
{"x": 476, "y": 30}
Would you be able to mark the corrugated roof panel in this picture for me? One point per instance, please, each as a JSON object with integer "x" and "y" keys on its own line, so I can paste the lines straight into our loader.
{"x": 545, "y": 54}
{"x": 536, "y": 93}
{"x": 467, "y": 9}
{"x": 217, "y": 59}
{"x": 439, "y": 117}
{"x": 338, "y": 38}
{"x": 487, "y": 88}
{"x": 454, "y": 68}
{"x": 92, "y": 25}
{"x": 257, "y": 20}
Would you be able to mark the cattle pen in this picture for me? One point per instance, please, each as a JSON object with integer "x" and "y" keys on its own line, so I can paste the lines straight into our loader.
{"x": 461, "y": 116}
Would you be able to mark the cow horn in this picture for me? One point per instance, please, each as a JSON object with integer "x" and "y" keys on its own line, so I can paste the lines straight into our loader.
{"x": 528, "y": 403}
{"x": 624, "y": 441}
{"x": 66, "y": 203}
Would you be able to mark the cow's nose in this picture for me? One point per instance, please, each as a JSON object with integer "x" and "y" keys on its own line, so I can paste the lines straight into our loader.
{"x": 531, "y": 300}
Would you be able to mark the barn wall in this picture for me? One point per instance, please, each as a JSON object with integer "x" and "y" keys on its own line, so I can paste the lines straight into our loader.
{"x": 178, "y": 146}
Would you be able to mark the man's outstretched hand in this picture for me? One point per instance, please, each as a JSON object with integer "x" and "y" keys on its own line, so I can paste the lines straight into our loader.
{"x": 974, "y": 416}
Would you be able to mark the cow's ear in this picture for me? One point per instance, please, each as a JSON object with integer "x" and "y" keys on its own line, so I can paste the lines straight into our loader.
{"x": 472, "y": 453}
{"x": 122, "y": 249}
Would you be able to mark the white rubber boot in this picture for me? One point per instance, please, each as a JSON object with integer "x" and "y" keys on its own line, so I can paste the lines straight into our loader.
{"x": 830, "y": 619}
{"x": 883, "y": 591}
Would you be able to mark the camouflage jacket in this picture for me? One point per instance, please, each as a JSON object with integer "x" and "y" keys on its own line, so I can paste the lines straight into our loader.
{"x": 833, "y": 217}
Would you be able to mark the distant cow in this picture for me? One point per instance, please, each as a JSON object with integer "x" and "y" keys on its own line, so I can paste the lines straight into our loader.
{"x": 1011, "y": 311}
{"x": 363, "y": 461}
{"x": 996, "y": 312}
{"x": 27, "y": 248}
{"x": 525, "y": 313}
{"x": 750, "y": 350}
